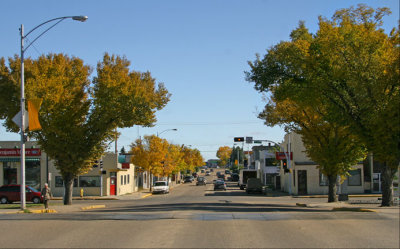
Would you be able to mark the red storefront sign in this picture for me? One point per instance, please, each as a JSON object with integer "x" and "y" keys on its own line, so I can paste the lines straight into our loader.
{"x": 125, "y": 165}
{"x": 282, "y": 155}
{"x": 17, "y": 152}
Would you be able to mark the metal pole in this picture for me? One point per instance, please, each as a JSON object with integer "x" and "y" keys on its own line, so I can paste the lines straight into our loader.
{"x": 371, "y": 163}
{"x": 23, "y": 202}
{"x": 289, "y": 166}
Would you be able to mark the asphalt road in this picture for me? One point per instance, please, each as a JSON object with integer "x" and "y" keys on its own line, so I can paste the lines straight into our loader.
{"x": 197, "y": 217}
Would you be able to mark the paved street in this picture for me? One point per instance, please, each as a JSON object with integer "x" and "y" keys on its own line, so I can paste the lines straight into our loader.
{"x": 197, "y": 217}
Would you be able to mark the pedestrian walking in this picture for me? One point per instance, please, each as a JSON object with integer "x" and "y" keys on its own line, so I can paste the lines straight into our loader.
{"x": 46, "y": 194}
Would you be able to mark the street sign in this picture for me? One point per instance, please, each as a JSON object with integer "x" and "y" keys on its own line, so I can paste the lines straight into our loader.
{"x": 249, "y": 140}
{"x": 17, "y": 119}
{"x": 282, "y": 155}
{"x": 257, "y": 141}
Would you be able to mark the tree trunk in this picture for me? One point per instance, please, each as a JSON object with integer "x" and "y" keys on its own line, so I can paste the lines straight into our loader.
{"x": 387, "y": 185}
{"x": 332, "y": 197}
{"x": 68, "y": 189}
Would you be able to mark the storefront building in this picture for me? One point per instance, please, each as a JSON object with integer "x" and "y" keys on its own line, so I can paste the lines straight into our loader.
{"x": 110, "y": 178}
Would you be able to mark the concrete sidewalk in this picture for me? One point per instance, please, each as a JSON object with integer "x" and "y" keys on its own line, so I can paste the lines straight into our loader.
{"x": 56, "y": 205}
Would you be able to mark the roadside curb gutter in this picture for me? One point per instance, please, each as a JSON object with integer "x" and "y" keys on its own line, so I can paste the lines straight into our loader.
{"x": 93, "y": 207}
{"x": 349, "y": 209}
{"x": 34, "y": 211}
{"x": 147, "y": 195}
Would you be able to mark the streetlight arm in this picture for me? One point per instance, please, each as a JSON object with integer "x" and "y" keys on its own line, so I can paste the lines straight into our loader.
{"x": 77, "y": 18}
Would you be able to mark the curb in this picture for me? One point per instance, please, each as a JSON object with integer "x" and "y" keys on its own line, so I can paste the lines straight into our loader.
{"x": 93, "y": 207}
{"x": 326, "y": 196}
{"x": 35, "y": 211}
{"x": 355, "y": 209}
{"x": 146, "y": 195}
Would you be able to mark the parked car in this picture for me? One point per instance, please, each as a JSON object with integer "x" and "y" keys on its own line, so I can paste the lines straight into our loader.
{"x": 161, "y": 187}
{"x": 11, "y": 193}
{"x": 211, "y": 170}
{"x": 254, "y": 185}
{"x": 227, "y": 172}
{"x": 219, "y": 184}
{"x": 195, "y": 174}
{"x": 208, "y": 173}
{"x": 201, "y": 181}
{"x": 202, "y": 171}
{"x": 189, "y": 179}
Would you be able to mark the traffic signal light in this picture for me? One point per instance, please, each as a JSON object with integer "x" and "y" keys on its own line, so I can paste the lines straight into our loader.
{"x": 284, "y": 166}
{"x": 238, "y": 139}
{"x": 101, "y": 163}
{"x": 95, "y": 165}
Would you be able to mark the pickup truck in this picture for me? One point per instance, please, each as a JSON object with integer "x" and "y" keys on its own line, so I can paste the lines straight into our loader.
{"x": 253, "y": 185}
{"x": 245, "y": 174}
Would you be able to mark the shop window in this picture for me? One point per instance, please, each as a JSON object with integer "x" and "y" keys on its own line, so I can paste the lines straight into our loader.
{"x": 323, "y": 179}
{"x": 128, "y": 179}
{"x": 89, "y": 181}
{"x": 269, "y": 179}
{"x": 60, "y": 183}
{"x": 355, "y": 177}
{"x": 32, "y": 174}
{"x": 122, "y": 180}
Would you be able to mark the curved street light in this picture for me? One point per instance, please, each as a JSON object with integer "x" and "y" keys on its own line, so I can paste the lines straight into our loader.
{"x": 58, "y": 19}
{"x": 158, "y": 134}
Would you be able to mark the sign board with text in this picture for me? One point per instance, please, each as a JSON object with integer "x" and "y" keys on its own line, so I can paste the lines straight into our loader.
{"x": 17, "y": 152}
{"x": 282, "y": 155}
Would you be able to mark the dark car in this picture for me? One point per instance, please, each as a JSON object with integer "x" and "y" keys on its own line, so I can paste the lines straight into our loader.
{"x": 219, "y": 184}
{"x": 11, "y": 193}
{"x": 235, "y": 177}
{"x": 188, "y": 179}
{"x": 227, "y": 172}
{"x": 201, "y": 181}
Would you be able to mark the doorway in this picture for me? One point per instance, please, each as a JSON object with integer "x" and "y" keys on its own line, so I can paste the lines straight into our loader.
{"x": 113, "y": 183}
{"x": 302, "y": 182}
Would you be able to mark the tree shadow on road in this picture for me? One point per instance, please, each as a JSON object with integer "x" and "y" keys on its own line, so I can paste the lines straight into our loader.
{"x": 220, "y": 206}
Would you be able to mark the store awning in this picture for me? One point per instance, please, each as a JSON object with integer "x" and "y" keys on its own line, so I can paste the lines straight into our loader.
{"x": 17, "y": 159}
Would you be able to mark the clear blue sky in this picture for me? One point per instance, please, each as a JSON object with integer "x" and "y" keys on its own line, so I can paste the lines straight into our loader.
{"x": 198, "y": 48}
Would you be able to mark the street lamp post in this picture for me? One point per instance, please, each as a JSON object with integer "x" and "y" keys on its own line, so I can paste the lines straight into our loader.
{"x": 58, "y": 19}
{"x": 158, "y": 134}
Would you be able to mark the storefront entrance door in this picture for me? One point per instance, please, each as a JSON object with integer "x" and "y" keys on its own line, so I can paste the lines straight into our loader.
{"x": 113, "y": 183}
{"x": 302, "y": 182}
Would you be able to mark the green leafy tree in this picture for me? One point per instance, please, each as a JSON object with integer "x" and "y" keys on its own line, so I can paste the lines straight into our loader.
{"x": 354, "y": 65}
{"x": 79, "y": 117}
{"x": 332, "y": 146}
{"x": 224, "y": 154}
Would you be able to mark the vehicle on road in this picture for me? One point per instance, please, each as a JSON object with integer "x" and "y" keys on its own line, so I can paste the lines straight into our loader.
{"x": 201, "y": 181}
{"x": 202, "y": 171}
{"x": 254, "y": 185}
{"x": 161, "y": 187}
{"x": 208, "y": 173}
{"x": 11, "y": 193}
{"x": 227, "y": 172}
{"x": 189, "y": 179}
{"x": 219, "y": 184}
{"x": 195, "y": 174}
{"x": 234, "y": 177}
{"x": 246, "y": 174}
